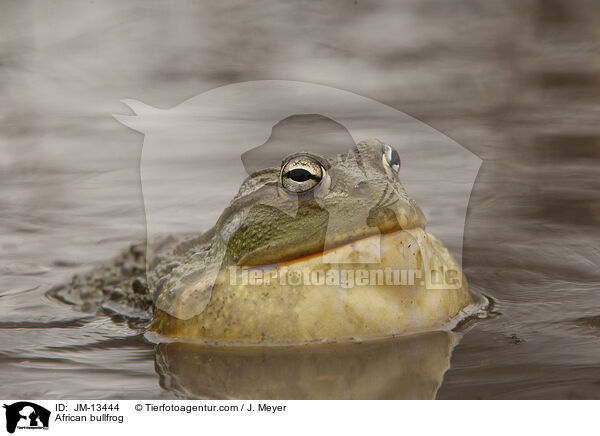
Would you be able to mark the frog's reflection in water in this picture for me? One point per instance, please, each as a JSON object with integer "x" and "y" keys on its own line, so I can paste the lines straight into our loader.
{"x": 405, "y": 368}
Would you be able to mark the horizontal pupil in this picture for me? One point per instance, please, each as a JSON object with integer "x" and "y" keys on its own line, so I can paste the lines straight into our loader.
{"x": 300, "y": 175}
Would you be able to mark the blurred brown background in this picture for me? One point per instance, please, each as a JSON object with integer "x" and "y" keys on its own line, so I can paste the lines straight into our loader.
{"x": 516, "y": 82}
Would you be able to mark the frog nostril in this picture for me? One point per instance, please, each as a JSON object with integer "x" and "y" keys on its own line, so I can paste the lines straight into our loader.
{"x": 361, "y": 187}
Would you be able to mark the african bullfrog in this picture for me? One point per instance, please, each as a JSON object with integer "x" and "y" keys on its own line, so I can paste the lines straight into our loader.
{"x": 319, "y": 250}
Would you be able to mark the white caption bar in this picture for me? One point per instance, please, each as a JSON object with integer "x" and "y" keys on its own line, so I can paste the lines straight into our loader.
{"x": 88, "y": 417}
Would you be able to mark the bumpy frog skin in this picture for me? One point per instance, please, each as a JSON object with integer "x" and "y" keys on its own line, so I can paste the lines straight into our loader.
{"x": 314, "y": 220}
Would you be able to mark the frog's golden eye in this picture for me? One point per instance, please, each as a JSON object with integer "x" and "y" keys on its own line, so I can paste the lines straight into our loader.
{"x": 301, "y": 173}
{"x": 391, "y": 158}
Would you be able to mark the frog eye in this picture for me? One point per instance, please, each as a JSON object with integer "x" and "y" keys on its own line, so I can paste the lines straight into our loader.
{"x": 301, "y": 173}
{"x": 391, "y": 158}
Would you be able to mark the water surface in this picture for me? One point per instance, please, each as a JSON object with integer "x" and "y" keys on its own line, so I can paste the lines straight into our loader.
{"x": 514, "y": 82}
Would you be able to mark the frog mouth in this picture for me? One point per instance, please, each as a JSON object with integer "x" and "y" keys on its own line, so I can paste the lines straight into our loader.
{"x": 326, "y": 240}
{"x": 361, "y": 246}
